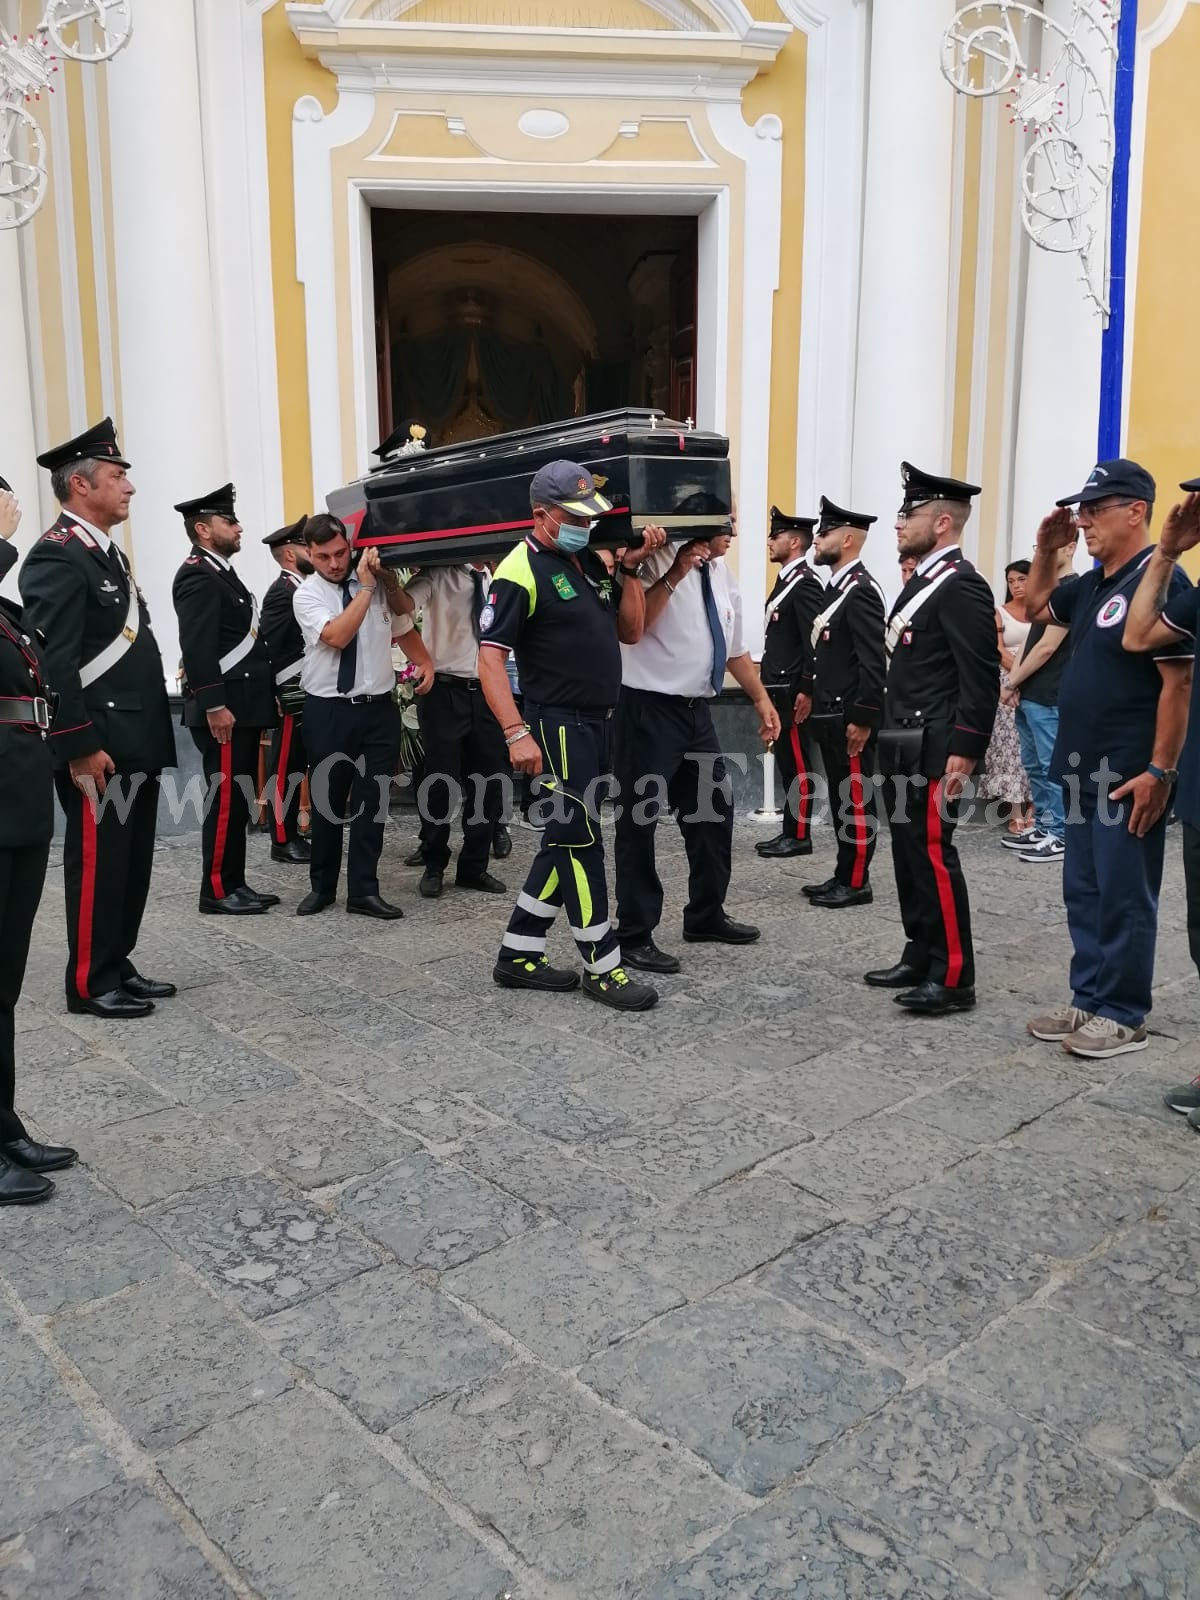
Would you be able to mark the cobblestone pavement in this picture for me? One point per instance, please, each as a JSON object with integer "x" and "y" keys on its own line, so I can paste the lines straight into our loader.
{"x": 377, "y": 1281}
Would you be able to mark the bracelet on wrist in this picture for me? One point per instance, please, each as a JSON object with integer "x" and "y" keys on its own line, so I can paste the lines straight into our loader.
{"x": 667, "y": 584}
{"x": 515, "y": 738}
{"x": 367, "y": 588}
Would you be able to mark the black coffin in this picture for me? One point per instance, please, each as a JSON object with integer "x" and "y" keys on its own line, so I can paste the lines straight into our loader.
{"x": 464, "y": 502}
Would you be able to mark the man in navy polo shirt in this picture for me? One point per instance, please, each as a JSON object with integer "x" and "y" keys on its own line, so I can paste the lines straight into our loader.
{"x": 554, "y": 603}
{"x": 1122, "y": 719}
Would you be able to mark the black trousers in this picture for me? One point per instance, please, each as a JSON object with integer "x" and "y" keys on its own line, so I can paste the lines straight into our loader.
{"x": 1191, "y": 879}
{"x": 793, "y": 763}
{"x": 930, "y": 881}
{"x": 667, "y": 756}
{"x": 352, "y": 754}
{"x": 287, "y": 764}
{"x": 853, "y": 802}
{"x": 108, "y": 855}
{"x": 22, "y": 874}
{"x": 230, "y": 770}
{"x": 466, "y": 762}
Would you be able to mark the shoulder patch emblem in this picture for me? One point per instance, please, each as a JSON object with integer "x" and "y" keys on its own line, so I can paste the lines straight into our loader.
{"x": 56, "y": 536}
{"x": 486, "y": 617}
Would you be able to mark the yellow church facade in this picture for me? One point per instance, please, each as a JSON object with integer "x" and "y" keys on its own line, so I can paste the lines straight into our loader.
{"x": 272, "y": 230}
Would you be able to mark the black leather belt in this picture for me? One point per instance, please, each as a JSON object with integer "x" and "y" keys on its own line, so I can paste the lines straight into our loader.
{"x": 32, "y": 712}
{"x": 453, "y": 677}
{"x": 366, "y": 699}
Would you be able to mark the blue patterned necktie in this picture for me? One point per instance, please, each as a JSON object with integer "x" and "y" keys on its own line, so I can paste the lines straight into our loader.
{"x": 348, "y": 662}
{"x": 720, "y": 652}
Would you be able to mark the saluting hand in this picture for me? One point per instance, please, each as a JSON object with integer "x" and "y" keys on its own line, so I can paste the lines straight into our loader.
{"x": 1056, "y": 531}
{"x": 10, "y": 514}
{"x": 1181, "y": 530}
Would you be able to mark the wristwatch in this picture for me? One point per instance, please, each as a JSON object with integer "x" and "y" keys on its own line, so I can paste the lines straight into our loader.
{"x": 1163, "y": 774}
{"x": 633, "y": 572}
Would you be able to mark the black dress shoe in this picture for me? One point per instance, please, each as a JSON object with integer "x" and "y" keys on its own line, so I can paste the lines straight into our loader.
{"x": 431, "y": 884}
{"x": 373, "y": 905}
{"x": 811, "y": 889}
{"x": 842, "y": 895}
{"x": 934, "y": 999}
{"x": 779, "y": 849}
{"x": 765, "y": 844}
{"x": 38, "y": 1157}
{"x": 18, "y": 1187}
{"x": 147, "y": 988}
{"x": 417, "y": 859}
{"x": 647, "y": 957}
{"x": 901, "y": 976}
{"x": 727, "y": 931}
{"x": 117, "y": 1005}
{"x": 315, "y": 900}
{"x": 265, "y": 897}
{"x": 296, "y": 850}
{"x": 237, "y": 903}
{"x": 484, "y": 882}
{"x": 501, "y": 843}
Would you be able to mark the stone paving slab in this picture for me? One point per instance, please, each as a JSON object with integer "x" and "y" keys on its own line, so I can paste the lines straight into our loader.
{"x": 315, "y": 1138}
{"x": 744, "y": 1384}
{"x": 692, "y": 1147}
{"x": 1017, "y": 1509}
{"x": 860, "y": 1167}
{"x": 75, "y": 1097}
{"x": 161, "y": 1155}
{"x": 1158, "y": 1560}
{"x": 291, "y": 1495}
{"x": 1146, "y": 1288}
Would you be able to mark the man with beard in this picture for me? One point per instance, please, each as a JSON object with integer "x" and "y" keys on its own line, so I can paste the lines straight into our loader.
{"x": 285, "y": 646}
{"x": 843, "y": 711}
{"x": 228, "y": 697}
{"x": 943, "y": 687}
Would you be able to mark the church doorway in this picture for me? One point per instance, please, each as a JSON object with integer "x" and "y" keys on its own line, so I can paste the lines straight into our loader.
{"x": 489, "y": 321}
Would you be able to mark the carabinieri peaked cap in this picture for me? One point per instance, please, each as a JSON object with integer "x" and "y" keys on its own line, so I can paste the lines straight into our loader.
{"x": 217, "y": 503}
{"x": 97, "y": 444}
{"x": 570, "y": 487}
{"x": 1191, "y": 486}
{"x": 5, "y": 486}
{"x": 782, "y": 523}
{"x": 406, "y": 440}
{"x": 1120, "y": 480}
{"x": 922, "y": 487}
{"x": 834, "y": 517}
{"x": 290, "y": 535}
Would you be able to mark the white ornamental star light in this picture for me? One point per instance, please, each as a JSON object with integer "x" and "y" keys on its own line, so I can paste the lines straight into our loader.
{"x": 89, "y": 31}
{"x": 1057, "y": 72}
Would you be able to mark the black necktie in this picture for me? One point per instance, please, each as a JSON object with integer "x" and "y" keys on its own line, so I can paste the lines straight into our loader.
{"x": 720, "y": 650}
{"x": 348, "y": 664}
{"x": 477, "y": 583}
{"x": 115, "y": 562}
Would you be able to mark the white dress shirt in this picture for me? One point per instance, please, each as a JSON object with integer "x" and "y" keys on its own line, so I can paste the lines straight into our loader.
{"x": 445, "y": 596}
{"x": 102, "y": 539}
{"x": 675, "y": 655}
{"x": 316, "y": 602}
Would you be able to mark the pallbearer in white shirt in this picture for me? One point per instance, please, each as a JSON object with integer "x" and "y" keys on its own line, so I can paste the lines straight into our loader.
{"x": 666, "y": 751}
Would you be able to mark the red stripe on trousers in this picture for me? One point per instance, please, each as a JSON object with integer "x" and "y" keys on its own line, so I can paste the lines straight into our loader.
{"x": 945, "y": 893}
{"x": 858, "y": 806}
{"x": 87, "y": 901}
{"x": 803, "y": 792}
{"x": 285, "y": 749}
{"x": 224, "y": 802}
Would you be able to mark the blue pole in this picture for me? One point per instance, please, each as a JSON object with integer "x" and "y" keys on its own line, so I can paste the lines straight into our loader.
{"x": 1112, "y": 352}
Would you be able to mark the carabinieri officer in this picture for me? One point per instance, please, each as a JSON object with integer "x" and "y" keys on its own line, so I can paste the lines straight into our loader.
{"x": 786, "y": 671}
{"x": 553, "y": 602}
{"x": 285, "y": 646}
{"x": 228, "y": 694}
{"x": 849, "y": 666}
{"x": 113, "y": 723}
{"x": 943, "y": 688}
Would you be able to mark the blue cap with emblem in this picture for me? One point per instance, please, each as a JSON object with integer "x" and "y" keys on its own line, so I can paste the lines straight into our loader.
{"x": 570, "y": 487}
{"x": 1114, "y": 480}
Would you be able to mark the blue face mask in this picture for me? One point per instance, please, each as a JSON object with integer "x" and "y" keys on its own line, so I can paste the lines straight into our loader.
{"x": 570, "y": 539}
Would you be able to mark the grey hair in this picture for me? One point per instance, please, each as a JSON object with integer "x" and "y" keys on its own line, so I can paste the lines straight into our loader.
{"x": 60, "y": 478}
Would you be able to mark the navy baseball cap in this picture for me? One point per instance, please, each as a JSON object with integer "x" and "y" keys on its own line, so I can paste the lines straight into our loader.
{"x": 570, "y": 487}
{"x": 1191, "y": 485}
{"x": 1114, "y": 480}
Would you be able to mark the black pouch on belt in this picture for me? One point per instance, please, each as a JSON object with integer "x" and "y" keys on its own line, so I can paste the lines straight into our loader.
{"x": 827, "y": 727}
{"x": 900, "y": 751}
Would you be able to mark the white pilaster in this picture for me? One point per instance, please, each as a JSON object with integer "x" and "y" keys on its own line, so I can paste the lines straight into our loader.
{"x": 904, "y": 316}
{"x": 171, "y": 426}
{"x": 17, "y": 446}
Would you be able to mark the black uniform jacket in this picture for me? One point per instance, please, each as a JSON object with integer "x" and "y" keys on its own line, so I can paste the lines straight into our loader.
{"x": 26, "y": 767}
{"x": 849, "y": 659}
{"x": 280, "y": 630}
{"x": 216, "y": 612}
{"x": 944, "y": 673}
{"x": 787, "y": 650}
{"x": 78, "y": 599}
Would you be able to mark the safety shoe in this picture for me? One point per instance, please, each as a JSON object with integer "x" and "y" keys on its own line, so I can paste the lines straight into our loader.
{"x": 1101, "y": 1037}
{"x": 1024, "y": 840}
{"x": 1047, "y": 850}
{"x": 1185, "y": 1098}
{"x": 617, "y": 989}
{"x": 533, "y": 972}
{"x": 1060, "y": 1025}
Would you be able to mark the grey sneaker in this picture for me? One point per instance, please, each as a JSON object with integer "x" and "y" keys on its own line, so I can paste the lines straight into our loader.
{"x": 1194, "y": 1120}
{"x": 1184, "y": 1097}
{"x": 1060, "y": 1025}
{"x": 1101, "y": 1037}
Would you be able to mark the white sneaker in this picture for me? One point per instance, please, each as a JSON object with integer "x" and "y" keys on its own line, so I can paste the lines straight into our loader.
{"x": 1048, "y": 848}
{"x": 1101, "y": 1037}
{"x": 1024, "y": 840}
{"x": 1059, "y": 1025}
